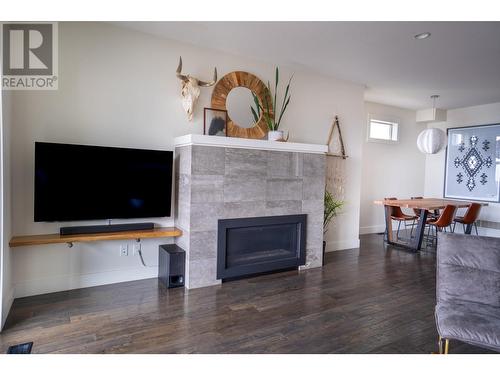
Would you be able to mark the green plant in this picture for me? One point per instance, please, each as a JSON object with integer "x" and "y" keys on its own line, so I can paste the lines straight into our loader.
{"x": 331, "y": 209}
{"x": 272, "y": 106}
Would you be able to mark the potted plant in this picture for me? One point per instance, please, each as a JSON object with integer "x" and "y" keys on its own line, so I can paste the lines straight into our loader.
{"x": 273, "y": 121}
{"x": 331, "y": 209}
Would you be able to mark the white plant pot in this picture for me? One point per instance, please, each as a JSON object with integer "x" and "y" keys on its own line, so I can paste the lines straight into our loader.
{"x": 275, "y": 135}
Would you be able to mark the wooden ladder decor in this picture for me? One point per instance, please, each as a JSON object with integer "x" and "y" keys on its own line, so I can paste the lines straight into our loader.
{"x": 342, "y": 154}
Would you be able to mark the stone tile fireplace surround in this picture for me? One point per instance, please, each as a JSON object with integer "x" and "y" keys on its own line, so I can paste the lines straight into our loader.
{"x": 222, "y": 178}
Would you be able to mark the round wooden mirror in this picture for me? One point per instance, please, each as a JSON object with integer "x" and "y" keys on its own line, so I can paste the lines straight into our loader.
{"x": 254, "y": 84}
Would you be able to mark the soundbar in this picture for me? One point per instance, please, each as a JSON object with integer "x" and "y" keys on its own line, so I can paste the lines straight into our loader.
{"x": 90, "y": 229}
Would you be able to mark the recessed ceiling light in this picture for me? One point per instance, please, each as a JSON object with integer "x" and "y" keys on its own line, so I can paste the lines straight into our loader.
{"x": 422, "y": 36}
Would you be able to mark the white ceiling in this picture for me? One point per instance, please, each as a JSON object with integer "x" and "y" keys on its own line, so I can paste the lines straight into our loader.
{"x": 460, "y": 61}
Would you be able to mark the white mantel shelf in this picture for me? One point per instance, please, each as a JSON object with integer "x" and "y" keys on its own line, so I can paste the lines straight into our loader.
{"x": 214, "y": 141}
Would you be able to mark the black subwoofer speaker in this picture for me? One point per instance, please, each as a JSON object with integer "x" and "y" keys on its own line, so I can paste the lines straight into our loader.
{"x": 171, "y": 265}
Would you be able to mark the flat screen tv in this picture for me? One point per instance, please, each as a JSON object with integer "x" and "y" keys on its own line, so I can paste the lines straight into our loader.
{"x": 76, "y": 182}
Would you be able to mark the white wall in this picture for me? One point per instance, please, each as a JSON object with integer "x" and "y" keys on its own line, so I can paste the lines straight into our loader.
{"x": 389, "y": 169}
{"x": 6, "y": 288}
{"x": 434, "y": 164}
{"x": 118, "y": 88}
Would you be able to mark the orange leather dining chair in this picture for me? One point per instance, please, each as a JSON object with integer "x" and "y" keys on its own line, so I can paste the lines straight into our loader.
{"x": 398, "y": 215}
{"x": 443, "y": 221}
{"x": 469, "y": 218}
{"x": 430, "y": 215}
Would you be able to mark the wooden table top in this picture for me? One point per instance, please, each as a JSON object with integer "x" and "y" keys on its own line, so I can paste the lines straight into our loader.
{"x": 426, "y": 203}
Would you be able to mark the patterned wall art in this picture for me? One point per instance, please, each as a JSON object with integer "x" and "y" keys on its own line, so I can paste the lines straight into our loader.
{"x": 472, "y": 168}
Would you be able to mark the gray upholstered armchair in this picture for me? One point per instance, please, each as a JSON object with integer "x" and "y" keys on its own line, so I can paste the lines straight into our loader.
{"x": 468, "y": 290}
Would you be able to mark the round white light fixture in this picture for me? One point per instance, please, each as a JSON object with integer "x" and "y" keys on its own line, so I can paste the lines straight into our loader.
{"x": 422, "y": 36}
{"x": 431, "y": 141}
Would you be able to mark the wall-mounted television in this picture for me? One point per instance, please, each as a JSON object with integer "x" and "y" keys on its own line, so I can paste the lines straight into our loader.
{"x": 77, "y": 182}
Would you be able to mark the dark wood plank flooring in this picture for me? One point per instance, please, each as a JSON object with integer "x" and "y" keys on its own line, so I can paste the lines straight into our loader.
{"x": 375, "y": 299}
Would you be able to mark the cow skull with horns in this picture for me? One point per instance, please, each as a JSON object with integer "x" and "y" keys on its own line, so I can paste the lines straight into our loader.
{"x": 191, "y": 89}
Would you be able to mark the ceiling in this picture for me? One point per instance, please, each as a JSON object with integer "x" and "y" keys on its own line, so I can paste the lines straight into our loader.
{"x": 460, "y": 61}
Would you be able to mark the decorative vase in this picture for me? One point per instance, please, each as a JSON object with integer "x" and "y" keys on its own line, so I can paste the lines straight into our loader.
{"x": 275, "y": 135}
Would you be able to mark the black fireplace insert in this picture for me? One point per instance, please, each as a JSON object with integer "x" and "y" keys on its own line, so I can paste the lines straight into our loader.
{"x": 249, "y": 246}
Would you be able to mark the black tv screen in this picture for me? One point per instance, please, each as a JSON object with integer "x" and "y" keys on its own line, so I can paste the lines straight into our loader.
{"x": 76, "y": 182}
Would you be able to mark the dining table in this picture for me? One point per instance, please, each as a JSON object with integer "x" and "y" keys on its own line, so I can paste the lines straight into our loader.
{"x": 425, "y": 205}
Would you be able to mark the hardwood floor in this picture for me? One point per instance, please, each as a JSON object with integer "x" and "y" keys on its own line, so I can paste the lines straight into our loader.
{"x": 367, "y": 300}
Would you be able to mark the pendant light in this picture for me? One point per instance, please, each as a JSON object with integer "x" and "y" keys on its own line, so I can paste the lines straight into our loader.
{"x": 432, "y": 140}
{"x": 433, "y": 114}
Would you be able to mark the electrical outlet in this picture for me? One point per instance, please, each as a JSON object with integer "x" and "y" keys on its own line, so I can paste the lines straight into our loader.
{"x": 124, "y": 250}
{"x": 137, "y": 248}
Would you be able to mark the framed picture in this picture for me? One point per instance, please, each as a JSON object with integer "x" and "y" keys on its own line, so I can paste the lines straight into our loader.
{"x": 215, "y": 122}
{"x": 472, "y": 169}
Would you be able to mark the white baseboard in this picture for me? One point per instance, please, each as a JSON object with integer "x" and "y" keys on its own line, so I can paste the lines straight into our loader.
{"x": 489, "y": 232}
{"x": 342, "y": 245}
{"x": 372, "y": 229}
{"x": 67, "y": 282}
{"x": 7, "y": 304}
{"x": 381, "y": 228}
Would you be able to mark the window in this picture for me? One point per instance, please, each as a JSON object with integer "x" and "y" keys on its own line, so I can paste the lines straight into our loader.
{"x": 382, "y": 131}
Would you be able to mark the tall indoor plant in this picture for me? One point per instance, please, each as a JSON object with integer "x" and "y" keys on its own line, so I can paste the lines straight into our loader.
{"x": 331, "y": 210}
{"x": 272, "y": 110}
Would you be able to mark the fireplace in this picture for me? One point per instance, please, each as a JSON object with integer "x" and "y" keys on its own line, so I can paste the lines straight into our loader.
{"x": 218, "y": 178}
{"x": 249, "y": 246}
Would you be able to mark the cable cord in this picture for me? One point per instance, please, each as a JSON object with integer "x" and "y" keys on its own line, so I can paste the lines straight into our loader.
{"x": 142, "y": 260}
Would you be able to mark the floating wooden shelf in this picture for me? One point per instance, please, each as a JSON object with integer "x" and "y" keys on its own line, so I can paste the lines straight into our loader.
{"x": 45, "y": 239}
